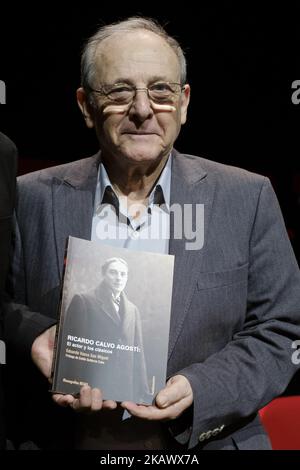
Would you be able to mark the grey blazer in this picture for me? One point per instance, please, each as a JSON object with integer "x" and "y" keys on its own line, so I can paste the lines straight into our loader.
{"x": 8, "y": 164}
{"x": 236, "y": 301}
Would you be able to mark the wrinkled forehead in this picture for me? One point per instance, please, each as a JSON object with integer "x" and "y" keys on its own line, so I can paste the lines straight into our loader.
{"x": 117, "y": 266}
{"x": 138, "y": 56}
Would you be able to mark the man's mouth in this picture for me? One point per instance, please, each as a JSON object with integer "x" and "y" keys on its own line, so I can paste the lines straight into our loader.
{"x": 138, "y": 133}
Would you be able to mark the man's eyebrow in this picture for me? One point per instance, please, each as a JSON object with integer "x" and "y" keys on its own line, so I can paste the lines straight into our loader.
{"x": 121, "y": 80}
{"x": 160, "y": 78}
{"x": 154, "y": 78}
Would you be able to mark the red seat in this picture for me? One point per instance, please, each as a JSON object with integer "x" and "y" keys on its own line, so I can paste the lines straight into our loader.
{"x": 281, "y": 419}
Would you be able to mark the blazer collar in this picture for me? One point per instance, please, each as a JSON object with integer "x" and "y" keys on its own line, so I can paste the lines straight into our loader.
{"x": 81, "y": 174}
{"x": 187, "y": 169}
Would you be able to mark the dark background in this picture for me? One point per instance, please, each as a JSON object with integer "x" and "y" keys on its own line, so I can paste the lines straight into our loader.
{"x": 242, "y": 61}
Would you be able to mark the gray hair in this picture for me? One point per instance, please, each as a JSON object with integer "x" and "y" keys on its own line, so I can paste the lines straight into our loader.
{"x": 125, "y": 26}
{"x": 108, "y": 262}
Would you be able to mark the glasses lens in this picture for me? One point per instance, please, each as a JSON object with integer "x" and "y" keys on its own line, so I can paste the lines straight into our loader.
{"x": 159, "y": 92}
{"x": 163, "y": 91}
{"x": 121, "y": 94}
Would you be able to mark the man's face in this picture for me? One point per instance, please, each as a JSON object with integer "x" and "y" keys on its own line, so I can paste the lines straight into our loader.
{"x": 116, "y": 276}
{"x": 142, "y": 133}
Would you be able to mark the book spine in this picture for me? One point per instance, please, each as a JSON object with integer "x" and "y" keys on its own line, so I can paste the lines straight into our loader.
{"x": 67, "y": 256}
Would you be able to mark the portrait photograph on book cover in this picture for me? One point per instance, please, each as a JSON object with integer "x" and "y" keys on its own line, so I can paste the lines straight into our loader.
{"x": 114, "y": 321}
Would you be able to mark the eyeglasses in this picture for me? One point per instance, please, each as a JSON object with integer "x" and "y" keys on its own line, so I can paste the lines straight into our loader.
{"x": 122, "y": 93}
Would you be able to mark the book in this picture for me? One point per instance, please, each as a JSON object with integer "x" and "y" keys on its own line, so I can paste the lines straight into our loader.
{"x": 114, "y": 322}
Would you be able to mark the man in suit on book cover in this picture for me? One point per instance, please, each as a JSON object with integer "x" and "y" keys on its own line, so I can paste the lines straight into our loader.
{"x": 106, "y": 313}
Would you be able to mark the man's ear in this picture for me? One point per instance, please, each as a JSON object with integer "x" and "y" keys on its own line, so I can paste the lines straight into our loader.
{"x": 85, "y": 107}
{"x": 185, "y": 99}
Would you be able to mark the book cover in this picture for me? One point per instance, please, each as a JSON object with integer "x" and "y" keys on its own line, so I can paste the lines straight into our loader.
{"x": 114, "y": 322}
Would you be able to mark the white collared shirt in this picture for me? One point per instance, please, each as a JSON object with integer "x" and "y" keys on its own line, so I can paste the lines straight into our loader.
{"x": 113, "y": 225}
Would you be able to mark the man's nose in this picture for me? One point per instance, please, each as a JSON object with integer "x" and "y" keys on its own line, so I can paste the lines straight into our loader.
{"x": 141, "y": 107}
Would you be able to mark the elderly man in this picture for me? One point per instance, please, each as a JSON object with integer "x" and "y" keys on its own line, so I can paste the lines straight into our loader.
{"x": 8, "y": 163}
{"x": 236, "y": 301}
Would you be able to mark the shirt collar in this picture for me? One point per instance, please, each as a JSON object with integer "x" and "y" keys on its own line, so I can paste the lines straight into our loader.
{"x": 160, "y": 194}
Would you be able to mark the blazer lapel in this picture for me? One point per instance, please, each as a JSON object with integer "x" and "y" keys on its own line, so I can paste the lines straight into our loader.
{"x": 73, "y": 199}
{"x": 190, "y": 184}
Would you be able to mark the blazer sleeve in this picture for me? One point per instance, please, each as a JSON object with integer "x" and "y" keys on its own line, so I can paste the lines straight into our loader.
{"x": 8, "y": 168}
{"x": 21, "y": 325}
{"x": 256, "y": 365}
